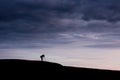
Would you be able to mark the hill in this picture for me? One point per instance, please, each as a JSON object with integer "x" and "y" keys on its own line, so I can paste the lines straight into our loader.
{"x": 25, "y": 69}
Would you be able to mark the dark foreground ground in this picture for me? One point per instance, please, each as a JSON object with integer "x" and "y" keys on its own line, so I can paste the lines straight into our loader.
{"x": 37, "y": 70}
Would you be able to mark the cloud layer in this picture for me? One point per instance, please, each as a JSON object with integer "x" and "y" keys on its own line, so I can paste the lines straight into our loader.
{"x": 48, "y": 23}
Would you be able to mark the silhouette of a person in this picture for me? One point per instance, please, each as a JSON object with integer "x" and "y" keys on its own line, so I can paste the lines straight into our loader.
{"x": 42, "y": 57}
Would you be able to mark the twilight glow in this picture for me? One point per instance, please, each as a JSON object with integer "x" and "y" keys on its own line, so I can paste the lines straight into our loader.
{"x": 82, "y": 33}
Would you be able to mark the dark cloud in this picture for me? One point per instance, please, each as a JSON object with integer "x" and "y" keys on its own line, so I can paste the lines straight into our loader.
{"x": 33, "y": 10}
{"x": 25, "y": 23}
{"x": 101, "y": 9}
{"x": 42, "y": 9}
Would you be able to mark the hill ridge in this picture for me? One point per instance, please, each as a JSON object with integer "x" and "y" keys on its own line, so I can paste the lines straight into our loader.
{"x": 40, "y": 69}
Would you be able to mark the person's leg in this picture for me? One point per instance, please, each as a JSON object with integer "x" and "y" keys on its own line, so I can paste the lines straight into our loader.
{"x": 41, "y": 58}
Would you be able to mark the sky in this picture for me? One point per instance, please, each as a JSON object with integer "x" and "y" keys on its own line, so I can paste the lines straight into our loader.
{"x": 80, "y": 33}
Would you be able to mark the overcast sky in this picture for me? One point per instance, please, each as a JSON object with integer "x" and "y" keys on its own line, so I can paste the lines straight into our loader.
{"x": 71, "y": 32}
